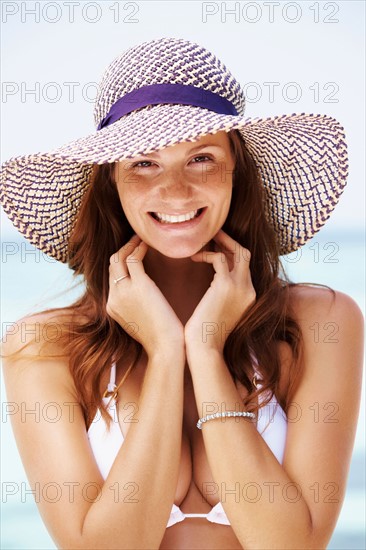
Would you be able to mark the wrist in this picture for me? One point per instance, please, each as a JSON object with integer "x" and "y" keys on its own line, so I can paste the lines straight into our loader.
{"x": 211, "y": 338}
{"x": 172, "y": 353}
{"x": 203, "y": 354}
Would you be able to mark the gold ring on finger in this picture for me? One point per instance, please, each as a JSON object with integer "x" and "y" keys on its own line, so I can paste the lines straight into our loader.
{"x": 116, "y": 281}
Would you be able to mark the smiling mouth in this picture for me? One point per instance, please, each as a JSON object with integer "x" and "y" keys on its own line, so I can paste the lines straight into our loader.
{"x": 167, "y": 218}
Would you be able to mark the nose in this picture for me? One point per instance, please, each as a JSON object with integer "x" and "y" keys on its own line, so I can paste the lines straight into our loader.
{"x": 175, "y": 184}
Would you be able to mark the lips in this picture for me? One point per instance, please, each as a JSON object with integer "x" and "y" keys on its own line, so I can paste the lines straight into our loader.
{"x": 176, "y": 218}
{"x": 167, "y": 223}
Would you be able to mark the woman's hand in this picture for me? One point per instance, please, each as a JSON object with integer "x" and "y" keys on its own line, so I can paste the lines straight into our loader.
{"x": 229, "y": 296}
{"x": 137, "y": 304}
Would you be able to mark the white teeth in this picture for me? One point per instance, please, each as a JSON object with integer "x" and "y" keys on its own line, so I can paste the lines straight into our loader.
{"x": 176, "y": 219}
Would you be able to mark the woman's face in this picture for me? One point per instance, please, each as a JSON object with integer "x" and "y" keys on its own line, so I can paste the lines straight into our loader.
{"x": 190, "y": 179}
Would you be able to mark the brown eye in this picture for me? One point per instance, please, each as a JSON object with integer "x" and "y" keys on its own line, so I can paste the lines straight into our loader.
{"x": 140, "y": 163}
{"x": 205, "y": 157}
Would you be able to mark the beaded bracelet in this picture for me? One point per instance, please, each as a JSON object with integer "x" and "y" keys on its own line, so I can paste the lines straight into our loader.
{"x": 222, "y": 415}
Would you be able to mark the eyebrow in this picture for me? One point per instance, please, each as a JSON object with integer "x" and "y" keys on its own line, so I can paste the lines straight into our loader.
{"x": 192, "y": 150}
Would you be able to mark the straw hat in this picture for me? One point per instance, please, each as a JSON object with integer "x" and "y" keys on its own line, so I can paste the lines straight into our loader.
{"x": 163, "y": 92}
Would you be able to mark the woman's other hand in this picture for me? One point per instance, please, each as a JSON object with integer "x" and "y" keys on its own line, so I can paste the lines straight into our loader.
{"x": 230, "y": 294}
{"x": 137, "y": 304}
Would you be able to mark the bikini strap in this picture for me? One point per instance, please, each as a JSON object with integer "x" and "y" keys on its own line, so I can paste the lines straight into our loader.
{"x": 256, "y": 377}
{"x": 112, "y": 389}
{"x": 112, "y": 380}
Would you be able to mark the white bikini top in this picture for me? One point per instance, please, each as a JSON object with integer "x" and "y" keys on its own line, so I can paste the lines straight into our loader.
{"x": 271, "y": 424}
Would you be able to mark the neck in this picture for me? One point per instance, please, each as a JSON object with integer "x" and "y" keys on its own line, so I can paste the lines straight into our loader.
{"x": 182, "y": 281}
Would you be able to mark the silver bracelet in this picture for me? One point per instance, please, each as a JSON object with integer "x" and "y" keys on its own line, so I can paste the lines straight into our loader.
{"x": 222, "y": 415}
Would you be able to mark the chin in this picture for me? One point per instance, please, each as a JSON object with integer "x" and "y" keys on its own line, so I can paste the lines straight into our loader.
{"x": 177, "y": 252}
{"x": 182, "y": 250}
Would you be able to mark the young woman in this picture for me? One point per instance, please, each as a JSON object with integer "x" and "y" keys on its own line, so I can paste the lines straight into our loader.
{"x": 186, "y": 373}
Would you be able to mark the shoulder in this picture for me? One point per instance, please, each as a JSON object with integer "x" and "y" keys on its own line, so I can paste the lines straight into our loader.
{"x": 44, "y": 329}
{"x": 33, "y": 349}
{"x": 332, "y": 326}
{"x": 320, "y": 303}
{"x": 30, "y": 333}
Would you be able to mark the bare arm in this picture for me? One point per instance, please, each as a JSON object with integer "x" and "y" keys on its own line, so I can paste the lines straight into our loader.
{"x": 301, "y": 509}
{"x": 57, "y": 455}
{"x": 149, "y": 459}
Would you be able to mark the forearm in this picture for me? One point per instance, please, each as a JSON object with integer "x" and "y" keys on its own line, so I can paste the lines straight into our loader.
{"x": 242, "y": 462}
{"x": 148, "y": 461}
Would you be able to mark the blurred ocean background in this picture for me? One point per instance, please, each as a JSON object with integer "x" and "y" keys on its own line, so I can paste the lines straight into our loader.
{"x": 30, "y": 281}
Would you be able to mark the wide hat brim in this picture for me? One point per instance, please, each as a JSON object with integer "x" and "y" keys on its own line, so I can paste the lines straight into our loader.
{"x": 302, "y": 160}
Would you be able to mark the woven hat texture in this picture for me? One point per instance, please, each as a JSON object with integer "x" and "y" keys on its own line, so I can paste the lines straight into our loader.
{"x": 302, "y": 158}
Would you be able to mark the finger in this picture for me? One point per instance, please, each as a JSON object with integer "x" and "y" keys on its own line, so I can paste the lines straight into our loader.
{"x": 226, "y": 241}
{"x": 117, "y": 267}
{"x": 132, "y": 265}
{"x": 227, "y": 246}
{"x": 121, "y": 254}
{"x": 241, "y": 256}
{"x": 134, "y": 261}
{"x": 217, "y": 259}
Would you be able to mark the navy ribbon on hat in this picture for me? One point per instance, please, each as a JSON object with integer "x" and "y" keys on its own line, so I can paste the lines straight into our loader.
{"x": 155, "y": 94}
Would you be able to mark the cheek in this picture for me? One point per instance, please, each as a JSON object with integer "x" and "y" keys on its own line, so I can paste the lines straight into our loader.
{"x": 122, "y": 198}
{"x": 221, "y": 197}
{"x": 222, "y": 175}
{"x": 226, "y": 203}
{"x": 128, "y": 198}
{"x": 133, "y": 206}
{"x": 221, "y": 189}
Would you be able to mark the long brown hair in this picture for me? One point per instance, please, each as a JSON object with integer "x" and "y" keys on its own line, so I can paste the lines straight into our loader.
{"x": 93, "y": 340}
